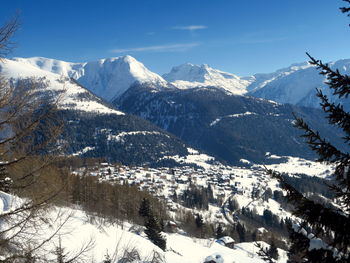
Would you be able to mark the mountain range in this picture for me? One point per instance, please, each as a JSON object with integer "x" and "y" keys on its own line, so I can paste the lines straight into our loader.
{"x": 93, "y": 128}
{"x": 110, "y": 78}
{"x": 107, "y": 78}
{"x": 224, "y": 115}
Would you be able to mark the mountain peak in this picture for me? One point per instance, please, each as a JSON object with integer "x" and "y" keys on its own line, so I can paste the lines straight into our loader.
{"x": 129, "y": 59}
{"x": 107, "y": 78}
{"x": 114, "y": 76}
{"x": 71, "y": 96}
{"x": 190, "y": 75}
{"x": 121, "y": 59}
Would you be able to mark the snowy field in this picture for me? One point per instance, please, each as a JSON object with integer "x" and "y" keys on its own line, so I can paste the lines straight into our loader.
{"x": 116, "y": 239}
{"x": 296, "y": 165}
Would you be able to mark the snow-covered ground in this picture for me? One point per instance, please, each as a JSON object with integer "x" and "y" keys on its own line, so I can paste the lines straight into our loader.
{"x": 194, "y": 157}
{"x": 80, "y": 230}
{"x": 296, "y": 165}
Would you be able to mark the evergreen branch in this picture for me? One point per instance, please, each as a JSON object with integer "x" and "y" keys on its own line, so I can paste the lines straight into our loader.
{"x": 324, "y": 219}
{"x": 336, "y": 114}
{"x": 340, "y": 84}
{"x": 263, "y": 253}
{"x": 325, "y": 150}
{"x": 345, "y": 9}
{"x": 342, "y": 188}
{"x": 303, "y": 251}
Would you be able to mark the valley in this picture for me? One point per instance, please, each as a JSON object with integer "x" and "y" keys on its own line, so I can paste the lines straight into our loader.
{"x": 197, "y": 142}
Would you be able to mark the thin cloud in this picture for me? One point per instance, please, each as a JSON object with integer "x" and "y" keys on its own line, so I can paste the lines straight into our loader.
{"x": 158, "y": 48}
{"x": 190, "y": 27}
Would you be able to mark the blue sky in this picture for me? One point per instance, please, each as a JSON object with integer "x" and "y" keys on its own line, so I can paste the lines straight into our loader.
{"x": 238, "y": 36}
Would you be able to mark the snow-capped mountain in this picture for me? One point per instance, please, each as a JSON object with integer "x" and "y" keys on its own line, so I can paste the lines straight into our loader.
{"x": 107, "y": 78}
{"x": 229, "y": 127}
{"x": 295, "y": 85}
{"x": 72, "y": 95}
{"x": 189, "y": 76}
{"x": 110, "y": 78}
{"x": 93, "y": 128}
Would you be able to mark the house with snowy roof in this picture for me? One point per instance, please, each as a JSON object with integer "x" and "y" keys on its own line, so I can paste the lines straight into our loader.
{"x": 226, "y": 241}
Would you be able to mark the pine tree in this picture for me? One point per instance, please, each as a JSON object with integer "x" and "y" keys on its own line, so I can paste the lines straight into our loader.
{"x": 145, "y": 208}
{"x": 219, "y": 232}
{"x": 60, "y": 253}
{"x": 175, "y": 197}
{"x": 241, "y": 231}
{"x": 153, "y": 232}
{"x": 272, "y": 251}
{"x": 324, "y": 234}
{"x": 267, "y": 254}
{"x": 210, "y": 194}
{"x": 152, "y": 224}
{"x": 199, "y": 221}
{"x": 254, "y": 235}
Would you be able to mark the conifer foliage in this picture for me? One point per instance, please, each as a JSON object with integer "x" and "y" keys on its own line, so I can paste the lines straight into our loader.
{"x": 152, "y": 224}
{"x": 145, "y": 208}
{"x": 268, "y": 254}
{"x": 324, "y": 234}
{"x": 153, "y": 232}
{"x": 219, "y": 232}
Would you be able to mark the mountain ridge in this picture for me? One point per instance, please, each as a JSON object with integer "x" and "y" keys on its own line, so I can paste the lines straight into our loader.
{"x": 189, "y": 76}
{"x": 109, "y": 78}
{"x": 93, "y": 128}
{"x": 228, "y": 127}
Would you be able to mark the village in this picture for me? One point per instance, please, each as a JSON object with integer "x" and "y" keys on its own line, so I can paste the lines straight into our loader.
{"x": 164, "y": 183}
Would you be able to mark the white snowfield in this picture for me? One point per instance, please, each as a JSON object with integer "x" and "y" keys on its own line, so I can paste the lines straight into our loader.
{"x": 119, "y": 137}
{"x": 107, "y": 78}
{"x": 296, "y": 165}
{"x": 194, "y": 157}
{"x": 69, "y": 94}
{"x": 189, "y": 76}
{"x": 79, "y": 229}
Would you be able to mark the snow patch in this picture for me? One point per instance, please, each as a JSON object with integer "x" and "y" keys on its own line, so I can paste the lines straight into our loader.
{"x": 119, "y": 137}
{"x": 232, "y": 116}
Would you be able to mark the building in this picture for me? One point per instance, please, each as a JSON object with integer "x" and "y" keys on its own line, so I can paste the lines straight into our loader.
{"x": 226, "y": 241}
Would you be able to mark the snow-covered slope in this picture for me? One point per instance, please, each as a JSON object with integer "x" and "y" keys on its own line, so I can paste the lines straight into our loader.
{"x": 188, "y": 76}
{"x": 93, "y": 128}
{"x": 71, "y": 95}
{"x": 296, "y": 84}
{"x": 107, "y": 78}
{"x": 75, "y": 229}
